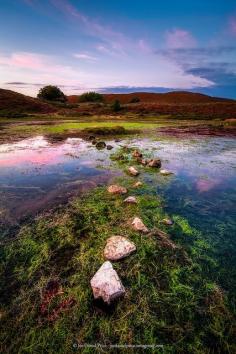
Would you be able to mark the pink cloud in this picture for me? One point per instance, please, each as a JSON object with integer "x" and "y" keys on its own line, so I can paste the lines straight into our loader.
{"x": 85, "y": 56}
{"x": 144, "y": 46}
{"x": 204, "y": 185}
{"x": 178, "y": 38}
{"x": 34, "y": 61}
{"x": 232, "y": 24}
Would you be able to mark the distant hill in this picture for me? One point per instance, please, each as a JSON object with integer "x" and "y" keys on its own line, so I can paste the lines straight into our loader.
{"x": 174, "y": 97}
{"x": 11, "y": 101}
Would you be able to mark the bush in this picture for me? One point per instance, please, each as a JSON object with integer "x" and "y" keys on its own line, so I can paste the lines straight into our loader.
{"x": 135, "y": 100}
{"x": 91, "y": 97}
{"x": 51, "y": 93}
{"x": 116, "y": 107}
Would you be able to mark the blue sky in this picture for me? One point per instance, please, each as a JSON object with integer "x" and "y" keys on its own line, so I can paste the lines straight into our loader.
{"x": 119, "y": 45}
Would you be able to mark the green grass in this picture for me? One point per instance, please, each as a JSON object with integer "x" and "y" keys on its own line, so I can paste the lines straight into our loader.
{"x": 171, "y": 297}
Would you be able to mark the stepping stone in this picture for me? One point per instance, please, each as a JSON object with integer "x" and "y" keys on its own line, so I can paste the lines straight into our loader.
{"x": 115, "y": 189}
{"x": 131, "y": 200}
{"x": 155, "y": 163}
{"x": 133, "y": 171}
{"x": 137, "y": 153}
{"x": 106, "y": 284}
{"x": 138, "y": 184}
{"x": 118, "y": 247}
{"x": 138, "y": 225}
{"x": 166, "y": 172}
{"x": 167, "y": 222}
{"x": 100, "y": 145}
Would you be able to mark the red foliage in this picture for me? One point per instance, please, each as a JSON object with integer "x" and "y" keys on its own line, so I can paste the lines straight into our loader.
{"x": 51, "y": 291}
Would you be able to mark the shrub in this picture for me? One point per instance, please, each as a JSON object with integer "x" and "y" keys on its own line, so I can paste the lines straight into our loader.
{"x": 135, "y": 100}
{"x": 51, "y": 93}
{"x": 116, "y": 107}
{"x": 91, "y": 97}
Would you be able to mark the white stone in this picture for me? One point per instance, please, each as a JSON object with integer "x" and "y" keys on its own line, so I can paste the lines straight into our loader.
{"x": 133, "y": 171}
{"x": 118, "y": 247}
{"x": 138, "y": 184}
{"x": 131, "y": 200}
{"x": 106, "y": 284}
{"x": 115, "y": 189}
{"x": 138, "y": 225}
{"x": 165, "y": 172}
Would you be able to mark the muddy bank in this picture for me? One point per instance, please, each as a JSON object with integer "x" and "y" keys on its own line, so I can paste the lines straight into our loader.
{"x": 204, "y": 130}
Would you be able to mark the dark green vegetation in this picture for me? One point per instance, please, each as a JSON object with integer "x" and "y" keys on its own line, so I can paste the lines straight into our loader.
{"x": 173, "y": 295}
{"x": 51, "y": 93}
{"x": 116, "y": 107}
{"x": 91, "y": 97}
{"x": 118, "y": 130}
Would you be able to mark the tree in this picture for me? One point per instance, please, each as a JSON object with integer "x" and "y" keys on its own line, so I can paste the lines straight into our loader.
{"x": 51, "y": 93}
{"x": 116, "y": 107}
{"x": 91, "y": 97}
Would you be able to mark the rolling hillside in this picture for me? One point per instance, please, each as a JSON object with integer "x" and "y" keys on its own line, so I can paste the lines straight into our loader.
{"x": 174, "y": 97}
{"x": 11, "y": 101}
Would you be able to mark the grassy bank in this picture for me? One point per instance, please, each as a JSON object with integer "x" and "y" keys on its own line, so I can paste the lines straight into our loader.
{"x": 12, "y": 130}
{"x": 171, "y": 295}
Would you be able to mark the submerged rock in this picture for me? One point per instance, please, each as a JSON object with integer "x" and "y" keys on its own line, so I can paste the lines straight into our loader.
{"x": 101, "y": 145}
{"x": 164, "y": 239}
{"x": 132, "y": 170}
{"x": 166, "y": 172}
{"x": 115, "y": 189}
{"x": 167, "y": 222}
{"x": 94, "y": 142}
{"x": 138, "y": 184}
{"x": 109, "y": 147}
{"x": 118, "y": 247}
{"x": 137, "y": 153}
{"x": 131, "y": 200}
{"x": 154, "y": 163}
{"x": 91, "y": 137}
{"x": 138, "y": 225}
{"x": 106, "y": 284}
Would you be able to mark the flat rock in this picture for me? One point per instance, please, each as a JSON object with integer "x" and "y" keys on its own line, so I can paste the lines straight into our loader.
{"x": 118, "y": 247}
{"x": 132, "y": 170}
{"x": 154, "y": 163}
{"x": 115, "y": 189}
{"x": 138, "y": 184}
{"x": 109, "y": 147}
{"x": 106, "y": 284}
{"x": 138, "y": 225}
{"x": 166, "y": 172}
{"x": 131, "y": 200}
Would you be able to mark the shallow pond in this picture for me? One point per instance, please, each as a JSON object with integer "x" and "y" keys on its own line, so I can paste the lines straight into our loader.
{"x": 37, "y": 173}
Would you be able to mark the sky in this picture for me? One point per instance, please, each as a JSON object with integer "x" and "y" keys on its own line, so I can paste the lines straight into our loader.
{"x": 118, "y": 45}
